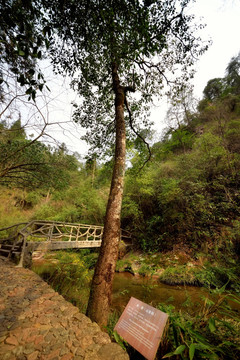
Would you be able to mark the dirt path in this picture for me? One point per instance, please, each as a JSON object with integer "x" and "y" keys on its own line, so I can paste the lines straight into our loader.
{"x": 37, "y": 323}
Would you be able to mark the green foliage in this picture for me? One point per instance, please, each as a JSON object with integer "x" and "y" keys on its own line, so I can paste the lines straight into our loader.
{"x": 98, "y": 37}
{"x": 123, "y": 265}
{"x": 89, "y": 202}
{"x": 181, "y": 275}
{"x": 232, "y": 136}
{"x": 10, "y": 212}
{"x": 170, "y": 191}
{"x": 32, "y": 198}
{"x": 233, "y": 75}
{"x": 74, "y": 207}
{"x": 211, "y": 276}
{"x": 220, "y": 276}
{"x": 145, "y": 270}
{"x": 130, "y": 210}
{"x": 22, "y": 39}
{"x": 73, "y": 197}
{"x": 68, "y": 275}
{"x": 214, "y": 89}
{"x": 44, "y": 211}
{"x": 218, "y": 88}
{"x": 213, "y": 333}
{"x": 187, "y": 197}
{"x": 31, "y": 164}
{"x": 181, "y": 139}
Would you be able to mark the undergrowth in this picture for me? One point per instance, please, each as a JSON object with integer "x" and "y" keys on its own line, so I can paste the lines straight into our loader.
{"x": 213, "y": 333}
{"x": 69, "y": 273}
{"x": 209, "y": 276}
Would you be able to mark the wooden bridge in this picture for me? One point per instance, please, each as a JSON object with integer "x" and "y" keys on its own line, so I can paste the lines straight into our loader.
{"x": 24, "y": 238}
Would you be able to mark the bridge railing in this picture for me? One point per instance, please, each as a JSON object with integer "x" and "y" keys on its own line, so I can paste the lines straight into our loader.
{"x": 59, "y": 231}
{"x": 9, "y": 233}
{"x": 41, "y": 230}
{"x": 55, "y": 235}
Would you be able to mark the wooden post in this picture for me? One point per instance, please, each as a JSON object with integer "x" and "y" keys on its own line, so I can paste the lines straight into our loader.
{"x": 50, "y": 232}
{"x": 70, "y": 237}
{"x": 78, "y": 230}
{"x": 23, "y": 252}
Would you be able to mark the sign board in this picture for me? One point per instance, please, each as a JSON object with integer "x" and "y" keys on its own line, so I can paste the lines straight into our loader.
{"x": 142, "y": 326}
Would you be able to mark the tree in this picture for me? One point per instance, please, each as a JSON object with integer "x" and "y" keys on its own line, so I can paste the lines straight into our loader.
{"x": 30, "y": 164}
{"x": 182, "y": 109}
{"x": 214, "y": 89}
{"x": 22, "y": 39}
{"x": 113, "y": 48}
{"x": 230, "y": 84}
{"x": 233, "y": 75}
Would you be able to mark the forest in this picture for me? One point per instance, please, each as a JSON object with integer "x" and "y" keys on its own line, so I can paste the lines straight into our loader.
{"x": 182, "y": 207}
{"x": 177, "y": 193}
{"x": 186, "y": 195}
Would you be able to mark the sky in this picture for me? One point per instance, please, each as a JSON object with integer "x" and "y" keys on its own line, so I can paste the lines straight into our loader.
{"x": 222, "y": 19}
{"x": 223, "y": 27}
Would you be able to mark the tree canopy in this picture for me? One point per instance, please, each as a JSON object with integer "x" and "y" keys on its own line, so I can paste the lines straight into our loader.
{"x": 149, "y": 42}
{"x": 233, "y": 74}
{"x": 23, "y": 37}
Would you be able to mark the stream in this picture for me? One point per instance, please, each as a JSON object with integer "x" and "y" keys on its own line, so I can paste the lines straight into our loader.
{"x": 152, "y": 292}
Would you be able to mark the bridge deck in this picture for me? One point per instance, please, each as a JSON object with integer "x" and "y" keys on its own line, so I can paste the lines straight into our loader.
{"x": 58, "y": 245}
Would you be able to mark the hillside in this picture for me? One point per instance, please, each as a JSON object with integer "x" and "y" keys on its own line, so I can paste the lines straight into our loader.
{"x": 186, "y": 196}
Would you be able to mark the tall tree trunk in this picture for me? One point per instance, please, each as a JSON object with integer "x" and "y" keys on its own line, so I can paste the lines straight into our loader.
{"x": 101, "y": 288}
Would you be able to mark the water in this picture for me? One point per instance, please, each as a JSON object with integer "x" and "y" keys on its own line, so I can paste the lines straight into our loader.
{"x": 153, "y": 292}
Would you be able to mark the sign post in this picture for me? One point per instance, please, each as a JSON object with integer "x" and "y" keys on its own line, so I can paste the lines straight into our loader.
{"x": 142, "y": 326}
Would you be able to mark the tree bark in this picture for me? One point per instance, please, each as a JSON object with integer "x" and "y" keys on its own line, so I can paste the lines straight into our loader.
{"x": 101, "y": 288}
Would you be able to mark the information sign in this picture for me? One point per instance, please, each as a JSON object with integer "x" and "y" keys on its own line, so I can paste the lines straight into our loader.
{"x": 142, "y": 326}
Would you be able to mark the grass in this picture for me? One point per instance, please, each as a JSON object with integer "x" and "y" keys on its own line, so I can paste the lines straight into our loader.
{"x": 180, "y": 275}
{"x": 68, "y": 274}
{"x": 212, "y": 333}
{"x": 211, "y": 276}
{"x": 10, "y": 209}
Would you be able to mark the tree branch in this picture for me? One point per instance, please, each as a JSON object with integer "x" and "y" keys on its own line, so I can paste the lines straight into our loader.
{"x": 136, "y": 133}
{"x": 10, "y": 102}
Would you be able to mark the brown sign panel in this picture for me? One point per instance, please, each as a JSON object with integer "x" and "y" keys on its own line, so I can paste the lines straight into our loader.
{"x": 142, "y": 326}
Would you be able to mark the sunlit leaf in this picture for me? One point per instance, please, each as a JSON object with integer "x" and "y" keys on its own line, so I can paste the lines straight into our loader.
{"x": 192, "y": 348}
{"x": 211, "y": 324}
